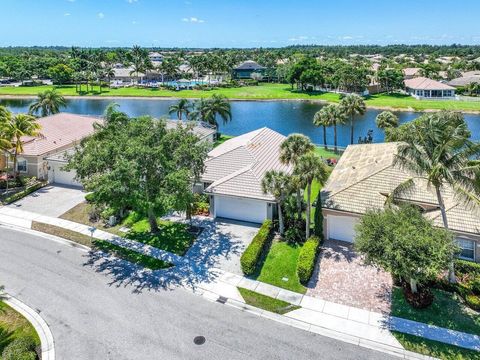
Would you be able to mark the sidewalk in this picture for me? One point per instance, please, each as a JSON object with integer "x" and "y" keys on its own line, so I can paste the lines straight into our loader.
{"x": 353, "y": 325}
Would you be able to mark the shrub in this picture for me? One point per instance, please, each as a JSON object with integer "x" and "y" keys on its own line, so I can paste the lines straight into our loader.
{"x": 22, "y": 348}
{"x": 318, "y": 219}
{"x": 252, "y": 255}
{"x": 306, "y": 259}
{"x": 473, "y": 301}
{"x": 90, "y": 197}
{"x": 467, "y": 267}
{"x": 476, "y": 285}
{"x": 23, "y": 193}
{"x": 295, "y": 234}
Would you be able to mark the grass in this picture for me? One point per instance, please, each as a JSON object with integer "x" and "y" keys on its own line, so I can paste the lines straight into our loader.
{"x": 327, "y": 154}
{"x": 446, "y": 311}
{"x": 122, "y": 253}
{"x": 173, "y": 237}
{"x": 266, "y": 302}
{"x": 222, "y": 139}
{"x": 13, "y": 326}
{"x": 434, "y": 348}
{"x": 281, "y": 262}
{"x": 264, "y": 91}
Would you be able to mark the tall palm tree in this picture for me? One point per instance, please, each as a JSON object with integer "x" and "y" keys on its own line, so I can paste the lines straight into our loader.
{"x": 183, "y": 106}
{"x": 310, "y": 167}
{"x": 5, "y": 137}
{"x": 320, "y": 120}
{"x": 20, "y": 125}
{"x": 291, "y": 149}
{"x": 438, "y": 150}
{"x": 353, "y": 105}
{"x": 386, "y": 119}
{"x": 48, "y": 102}
{"x": 327, "y": 116}
{"x": 208, "y": 109}
{"x": 277, "y": 184}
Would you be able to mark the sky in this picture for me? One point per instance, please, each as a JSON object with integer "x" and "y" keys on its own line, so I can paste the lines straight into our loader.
{"x": 239, "y": 23}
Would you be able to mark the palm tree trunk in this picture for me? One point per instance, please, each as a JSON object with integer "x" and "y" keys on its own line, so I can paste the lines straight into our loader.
{"x": 351, "y": 130}
{"x": 335, "y": 137}
{"x": 299, "y": 204}
{"x": 280, "y": 219}
{"x": 152, "y": 220}
{"x": 14, "y": 166}
{"x": 325, "y": 137}
{"x": 451, "y": 268}
{"x": 307, "y": 226}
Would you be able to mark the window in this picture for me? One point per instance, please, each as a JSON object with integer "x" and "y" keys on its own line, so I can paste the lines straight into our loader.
{"x": 467, "y": 249}
{"x": 22, "y": 165}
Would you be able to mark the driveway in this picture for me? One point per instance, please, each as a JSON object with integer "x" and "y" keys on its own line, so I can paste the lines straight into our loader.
{"x": 51, "y": 200}
{"x": 341, "y": 276}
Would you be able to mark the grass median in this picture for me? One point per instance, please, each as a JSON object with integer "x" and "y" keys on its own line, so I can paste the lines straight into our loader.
{"x": 266, "y": 302}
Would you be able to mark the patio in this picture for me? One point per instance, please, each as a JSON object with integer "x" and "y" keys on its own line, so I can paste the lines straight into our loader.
{"x": 341, "y": 276}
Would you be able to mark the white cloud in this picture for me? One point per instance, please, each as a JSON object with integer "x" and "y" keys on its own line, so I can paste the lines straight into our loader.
{"x": 193, "y": 19}
{"x": 132, "y": 1}
{"x": 101, "y": 15}
{"x": 66, "y": 14}
{"x": 71, "y": 0}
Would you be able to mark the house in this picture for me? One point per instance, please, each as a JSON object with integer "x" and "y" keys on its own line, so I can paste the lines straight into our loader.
{"x": 410, "y": 73}
{"x": 468, "y": 78}
{"x": 126, "y": 75}
{"x": 424, "y": 88}
{"x": 362, "y": 180}
{"x": 42, "y": 155}
{"x": 233, "y": 176}
{"x": 246, "y": 69}
{"x": 204, "y": 131}
{"x": 155, "y": 57}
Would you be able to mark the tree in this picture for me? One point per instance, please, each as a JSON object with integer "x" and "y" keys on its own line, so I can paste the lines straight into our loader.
{"x": 310, "y": 167}
{"x": 386, "y": 119}
{"x": 390, "y": 79}
{"x": 48, "y": 102}
{"x": 61, "y": 74}
{"x": 404, "y": 243}
{"x": 182, "y": 106}
{"x": 18, "y": 126}
{"x": 277, "y": 183}
{"x": 327, "y": 116}
{"x": 207, "y": 110}
{"x": 437, "y": 149}
{"x": 5, "y": 137}
{"x": 291, "y": 149}
{"x": 353, "y": 105}
{"x": 141, "y": 165}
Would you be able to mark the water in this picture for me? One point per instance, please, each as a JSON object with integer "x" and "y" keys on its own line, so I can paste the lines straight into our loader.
{"x": 285, "y": 117}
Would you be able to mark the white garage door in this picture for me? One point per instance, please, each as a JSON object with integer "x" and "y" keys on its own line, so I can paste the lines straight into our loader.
{"x": 341, "y": 227}
{"x": 58, "y": 176}
{"x": 240, "y": 209}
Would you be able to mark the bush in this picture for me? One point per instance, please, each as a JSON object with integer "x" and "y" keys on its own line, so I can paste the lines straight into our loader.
{"x": 90, "y": 197}
{"x": 252, "y": 255}
{"x": 295, "y": 234}
{"x": 306, "y": 259}
{"x": 473, "y": 301}
{"x": 465, "y": 267}
{"x": 318, "y": 219}
{"x": 22, "y": 348}
{"x": 23, "y": 193}
{"x": 476, "y": 285}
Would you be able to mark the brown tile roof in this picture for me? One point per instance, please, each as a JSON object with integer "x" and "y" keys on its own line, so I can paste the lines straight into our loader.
{"x": 58, "y": 131}
{"x": 237, "y": 167}
{"x": 365, "y": 175}
{"x": 423, "y": 83}
{"x": 411, "y": 71}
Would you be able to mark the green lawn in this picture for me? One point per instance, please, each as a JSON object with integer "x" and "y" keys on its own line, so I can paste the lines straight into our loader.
{"x": 434, "y": 348}
{"x": 446, "y": 311}
{"x": 266, "y": 302}
{"x": 281, "y": 262}
{"x": 327, "y": 154}
{"x": 264, "y": 91}
{"x": 222, "y": 139}
{"x": 13, "y": 326}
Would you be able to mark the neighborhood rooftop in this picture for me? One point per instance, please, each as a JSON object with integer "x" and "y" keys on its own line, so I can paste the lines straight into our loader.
{"x": 422, "y": 83}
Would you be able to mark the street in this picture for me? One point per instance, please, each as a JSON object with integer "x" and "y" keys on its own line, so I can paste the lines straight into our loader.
{"x": 94, "y": 315}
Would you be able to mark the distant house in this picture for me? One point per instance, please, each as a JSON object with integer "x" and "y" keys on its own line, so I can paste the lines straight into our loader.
{"x": 363, "y": 179}
{"x": 126, "y": 75}
{"x": 155, "y": 57}
{"x": 246, "y": 69}
{"x": 410, "y": 73}
{"x": 233, "y": 176}
{"x": 424, "y": 88}
{"x": 468, "y": 78}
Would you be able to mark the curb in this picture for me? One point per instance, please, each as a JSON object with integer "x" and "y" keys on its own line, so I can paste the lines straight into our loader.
{"x": 40, "y": 325}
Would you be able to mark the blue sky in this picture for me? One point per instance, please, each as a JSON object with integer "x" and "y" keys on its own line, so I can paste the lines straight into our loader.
{"x": 240, "y": 23}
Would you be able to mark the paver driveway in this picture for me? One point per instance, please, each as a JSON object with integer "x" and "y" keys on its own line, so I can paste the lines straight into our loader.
{"x": 342, "y": 277}
{"x": 51, "y": 200}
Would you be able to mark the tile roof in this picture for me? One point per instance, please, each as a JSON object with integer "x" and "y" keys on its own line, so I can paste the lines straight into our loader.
{"x": 465, "y": 80}
{"x": 423, "y": 83}
{"x": 237, "y": 167}
{"x": 249, "y": 65}
{"x": 411, "y": 71}
{"x": 365, "y": 175}
{"x": 199, "y": 129}
{"x": 58, "y": 131}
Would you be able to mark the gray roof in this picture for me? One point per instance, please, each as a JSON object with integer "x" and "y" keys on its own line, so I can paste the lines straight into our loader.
{"x": 126, "y": 73}
{"x": 365, "y": 175}
{"x": 60, "y": 156}
{"x": 249, "y": 65}
{"x": 465, "y": 80}
{"x": 237, "y": 167}
{"x": 200, "y": 129}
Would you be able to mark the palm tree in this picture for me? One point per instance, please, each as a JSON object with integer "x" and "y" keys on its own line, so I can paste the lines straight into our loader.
{"x": 5, "y": 137}
{"x": 291, "y": 149}
{"x": 439, "y": 151}
{"x": 320, "y": 120}
{"x": 48, "y": 102}
{"x": 183, "y": 106}
{"x": 20, "y": 125}
{"x": 208, "y": 109}
{"x": 327, "y": 116}
{"x": 277, "y": 184}
{"x": 352, "y": 105}
{"x": 386, "y": 119}
{"x": 310, "y": 167}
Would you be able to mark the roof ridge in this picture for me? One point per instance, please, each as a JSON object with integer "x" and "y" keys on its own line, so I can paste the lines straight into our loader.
{"x": 229, "y": 176}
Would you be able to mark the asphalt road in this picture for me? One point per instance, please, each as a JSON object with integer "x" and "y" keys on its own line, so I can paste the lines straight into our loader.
{"x": 94, "y": 315}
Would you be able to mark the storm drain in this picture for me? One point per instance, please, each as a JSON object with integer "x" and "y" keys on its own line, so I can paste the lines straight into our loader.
{"x": 222, "y": 299}
{"x": 199, "y": 340}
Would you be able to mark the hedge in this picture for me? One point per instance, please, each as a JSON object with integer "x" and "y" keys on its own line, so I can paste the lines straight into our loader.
{"x": 306, "y": 259}
{"x": 253, "y": 253}
{"x": 23, "y": 193}
{"x": 318, "y": 219}
{"x": 22, "y": 348}
{"x": 473, "y": 301}
{"x": 467, "y": 267}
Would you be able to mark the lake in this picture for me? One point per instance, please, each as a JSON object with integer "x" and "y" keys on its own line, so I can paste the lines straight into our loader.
{"x": 285, "y": 117}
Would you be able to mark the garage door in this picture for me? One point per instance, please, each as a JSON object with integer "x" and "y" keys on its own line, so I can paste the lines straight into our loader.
{"x": 58, "y": 176}
{"x": 341, "y": 227}
{"x": 240, "y": 209}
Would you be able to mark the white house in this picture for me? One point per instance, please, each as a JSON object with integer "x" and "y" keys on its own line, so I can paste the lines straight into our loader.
{"x": 234, "y": 172}
{"x": 362, "y": 180}
{"x": 424, "y": 88}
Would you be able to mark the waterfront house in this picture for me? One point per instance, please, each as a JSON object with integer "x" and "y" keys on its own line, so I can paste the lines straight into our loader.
{"x": 424, "y": 88}
{"x": 246, "y": 69}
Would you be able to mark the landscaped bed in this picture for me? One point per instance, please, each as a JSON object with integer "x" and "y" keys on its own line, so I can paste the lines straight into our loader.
{"x": 14, "y": 326}
{"x": 266, "y": 302}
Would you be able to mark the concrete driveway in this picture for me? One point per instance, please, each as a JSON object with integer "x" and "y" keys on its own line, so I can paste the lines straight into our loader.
{"x": 51, "y": 200}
